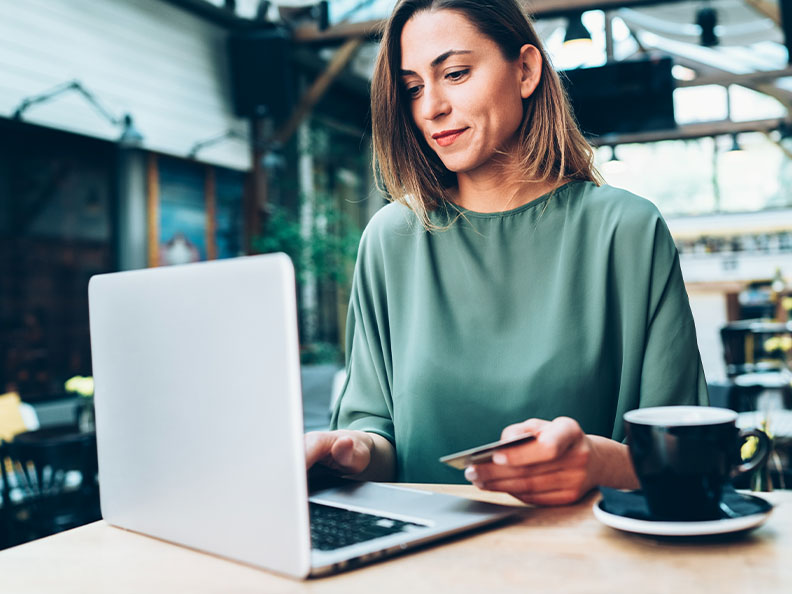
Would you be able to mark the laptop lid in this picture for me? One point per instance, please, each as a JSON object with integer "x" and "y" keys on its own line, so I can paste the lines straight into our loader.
{"x": 198, "y": 408}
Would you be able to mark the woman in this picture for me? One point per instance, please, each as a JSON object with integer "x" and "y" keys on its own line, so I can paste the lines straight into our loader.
{"x": 504, "y": 283}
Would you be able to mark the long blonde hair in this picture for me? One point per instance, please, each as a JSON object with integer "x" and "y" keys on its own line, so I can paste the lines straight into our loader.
{"x": 550, "y": 147}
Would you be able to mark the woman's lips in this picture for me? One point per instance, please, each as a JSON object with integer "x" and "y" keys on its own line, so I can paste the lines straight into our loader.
{"x": 447, "y": 137}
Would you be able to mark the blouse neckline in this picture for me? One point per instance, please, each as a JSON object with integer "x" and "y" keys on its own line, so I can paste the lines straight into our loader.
{"x": 450, "y": 206}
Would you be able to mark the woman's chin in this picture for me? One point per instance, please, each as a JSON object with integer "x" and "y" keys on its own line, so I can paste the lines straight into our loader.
{"x": 459, "y": 165}
{"x": 468, "y": 168}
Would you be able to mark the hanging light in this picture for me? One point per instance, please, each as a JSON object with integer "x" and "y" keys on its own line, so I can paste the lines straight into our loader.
{"x": 733, "y": 158}
{"x": 613, "y": 167}
{"x": 576, "y": 32}
{"x": 707, "y": 19}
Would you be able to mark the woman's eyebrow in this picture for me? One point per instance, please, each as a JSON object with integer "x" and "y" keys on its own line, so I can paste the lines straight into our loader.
{"x": 438, "y": 60}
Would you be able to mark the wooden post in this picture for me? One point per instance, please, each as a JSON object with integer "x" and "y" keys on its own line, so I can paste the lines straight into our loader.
{"x": 256, "y": 192}
{"x": 153, "y": 210}
{"x": 210, "y": 198}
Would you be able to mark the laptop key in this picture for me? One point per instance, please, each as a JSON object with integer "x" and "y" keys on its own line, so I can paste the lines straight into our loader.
{"x": 333, "y": 527}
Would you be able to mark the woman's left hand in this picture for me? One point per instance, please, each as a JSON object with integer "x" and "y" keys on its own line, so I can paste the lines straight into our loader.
{"x": 560, "y": 466}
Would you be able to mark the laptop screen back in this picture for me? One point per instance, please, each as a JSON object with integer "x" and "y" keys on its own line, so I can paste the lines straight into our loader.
{"x": 198, "y": 408}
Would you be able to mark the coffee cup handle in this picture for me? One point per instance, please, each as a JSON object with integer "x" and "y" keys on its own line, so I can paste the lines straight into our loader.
{"x": 761, "y": 454}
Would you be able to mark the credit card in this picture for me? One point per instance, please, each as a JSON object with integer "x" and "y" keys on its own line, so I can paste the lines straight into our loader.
{"x": 482, "y": 454}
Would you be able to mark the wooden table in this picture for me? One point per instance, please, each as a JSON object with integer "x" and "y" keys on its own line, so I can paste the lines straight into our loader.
{"x": 563, "y": 549}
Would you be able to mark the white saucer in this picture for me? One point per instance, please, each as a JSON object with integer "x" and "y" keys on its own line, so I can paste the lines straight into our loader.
{"x": 656, "y": 528}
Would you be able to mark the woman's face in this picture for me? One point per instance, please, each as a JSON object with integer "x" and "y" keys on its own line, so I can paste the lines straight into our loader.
{"x": 465, "y": 97}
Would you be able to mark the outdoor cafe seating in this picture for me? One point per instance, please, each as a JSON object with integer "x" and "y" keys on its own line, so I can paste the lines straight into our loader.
{"x": 49, "y": 483}
{"x": 759, "y": 388}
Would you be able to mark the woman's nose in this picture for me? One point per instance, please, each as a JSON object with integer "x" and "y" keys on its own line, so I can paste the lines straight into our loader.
{"x": 434, "y": 103}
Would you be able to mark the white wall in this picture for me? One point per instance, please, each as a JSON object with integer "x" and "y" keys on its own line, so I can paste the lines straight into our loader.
{"x": 713, "y": 268}
{"x": 709, "y": 314}
{"x": 164, "y": 66}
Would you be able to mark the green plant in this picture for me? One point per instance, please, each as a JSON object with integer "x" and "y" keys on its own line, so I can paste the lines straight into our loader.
{"x": 325, "y": 250}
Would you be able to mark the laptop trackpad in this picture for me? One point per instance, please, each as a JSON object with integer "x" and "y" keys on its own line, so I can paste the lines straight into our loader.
{"x": 411, "y": 504}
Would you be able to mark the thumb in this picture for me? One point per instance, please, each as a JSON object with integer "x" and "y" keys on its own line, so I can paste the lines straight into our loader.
{"x": 350, "y": 454}
{"x": 530, "y": 426}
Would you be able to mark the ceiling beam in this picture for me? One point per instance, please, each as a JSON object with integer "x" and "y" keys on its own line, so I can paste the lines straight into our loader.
{"x": 758, "y": 81}
{"x": 761, "y": 81}
{"x": 690, "y": 132}
{"x": 314, "y": 94}
{"x": 312, "y": 34}
{"x": 538, "y": 9}
{"x": 727, "y": 78}
{"x": 543, "y": 9}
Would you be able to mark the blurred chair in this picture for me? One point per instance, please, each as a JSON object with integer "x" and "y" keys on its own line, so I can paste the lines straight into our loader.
{"x": 755, "y": 346}
{"x": 49, "y": 483}
{"x": 764, "y": 401}
{"x": 15, "y": 417}
{"x": 757, "y": 355}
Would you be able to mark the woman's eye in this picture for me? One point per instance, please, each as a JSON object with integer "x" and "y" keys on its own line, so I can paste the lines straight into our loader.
{"x": 457, "y": 74}
{"x": 414, "y": 91}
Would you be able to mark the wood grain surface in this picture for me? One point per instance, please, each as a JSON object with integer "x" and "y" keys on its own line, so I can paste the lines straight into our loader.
{"x": 561, "y": 549}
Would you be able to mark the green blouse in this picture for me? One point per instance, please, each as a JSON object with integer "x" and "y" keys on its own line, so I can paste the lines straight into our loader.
{"x": 570, "y": 305}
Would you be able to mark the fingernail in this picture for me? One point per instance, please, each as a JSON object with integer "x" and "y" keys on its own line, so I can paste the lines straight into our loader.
{"x": 499, "y": 458}
{"x": 470, "y": 474}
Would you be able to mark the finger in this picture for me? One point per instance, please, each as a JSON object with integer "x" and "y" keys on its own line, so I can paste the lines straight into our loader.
{"x": 317, "y": 446}
{"x": 492, "y": 472}
{"x": 350, "y": 455}
{"x": 565, "y": 480}
{"x": 551, "y": 443}
{"x": 343, "y": 451}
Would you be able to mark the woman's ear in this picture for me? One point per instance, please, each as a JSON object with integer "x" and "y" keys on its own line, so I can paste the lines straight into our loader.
{"x": 530, "y": 61}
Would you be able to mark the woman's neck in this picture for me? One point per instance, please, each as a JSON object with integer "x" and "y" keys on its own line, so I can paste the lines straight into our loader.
{"x": 496, "y": 190}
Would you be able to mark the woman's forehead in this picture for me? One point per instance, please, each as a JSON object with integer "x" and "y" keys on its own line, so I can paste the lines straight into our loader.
{"x": 428, "y": 35}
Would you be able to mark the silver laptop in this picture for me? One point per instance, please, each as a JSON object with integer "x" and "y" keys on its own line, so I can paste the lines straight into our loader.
{"x": 200, "y": 431}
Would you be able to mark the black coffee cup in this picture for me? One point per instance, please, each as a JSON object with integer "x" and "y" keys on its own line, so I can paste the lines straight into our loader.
{"x": 684, "y": 455}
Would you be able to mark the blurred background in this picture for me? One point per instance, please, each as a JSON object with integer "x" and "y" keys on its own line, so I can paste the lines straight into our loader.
{"x": 140, "y": 133}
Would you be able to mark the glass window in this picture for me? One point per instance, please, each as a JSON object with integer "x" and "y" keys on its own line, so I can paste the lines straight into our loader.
{"x": 704, "y": 175}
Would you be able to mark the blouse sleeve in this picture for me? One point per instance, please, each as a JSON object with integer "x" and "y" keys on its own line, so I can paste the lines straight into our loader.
{"x": 365, "y": 403}
{"x": 672, "y": 373}
{"x": 661, "y": 365}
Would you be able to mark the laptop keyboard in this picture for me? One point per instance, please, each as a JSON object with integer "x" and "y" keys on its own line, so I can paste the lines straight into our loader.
{"x": 334, "y": 527}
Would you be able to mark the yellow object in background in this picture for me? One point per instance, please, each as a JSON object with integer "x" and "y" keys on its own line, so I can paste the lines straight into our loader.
{"x": 11, "y": 421}
{"x": 778, "y": 343}
{"x": 84, "y": 386}
{"x": 748, "y": 449}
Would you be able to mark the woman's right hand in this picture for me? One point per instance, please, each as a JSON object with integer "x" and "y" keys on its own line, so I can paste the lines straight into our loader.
{"x": 346, "y": 452}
